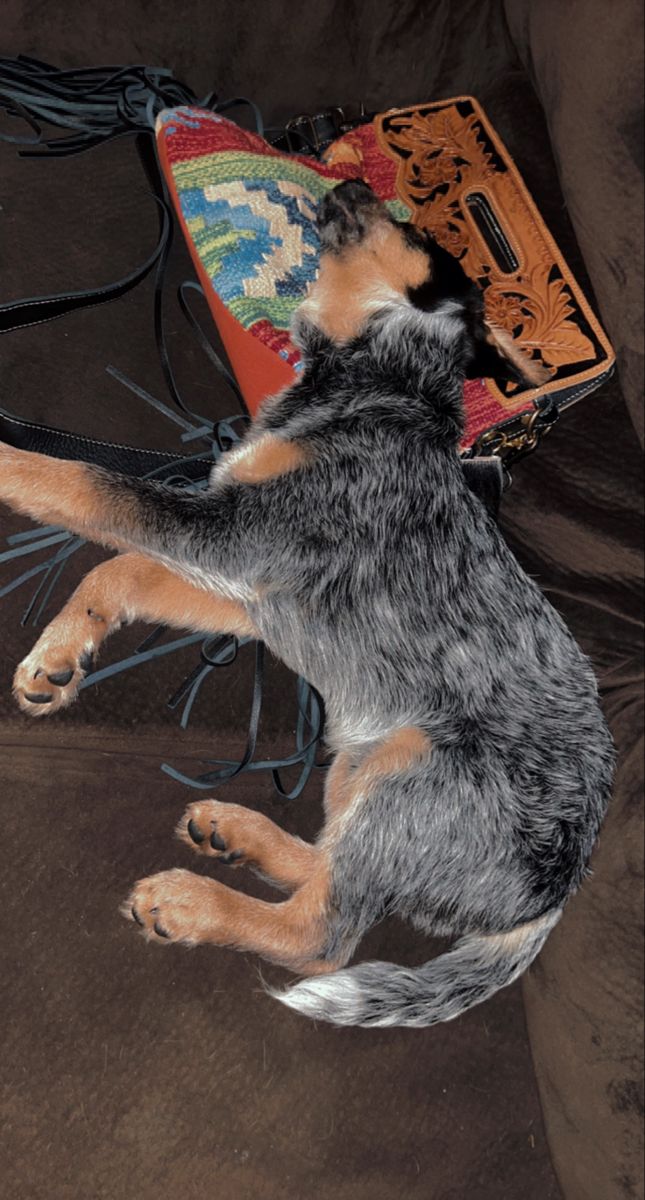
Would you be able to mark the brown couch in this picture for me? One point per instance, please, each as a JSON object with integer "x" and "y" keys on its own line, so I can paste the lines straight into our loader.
{"x": 130, "y": 1072}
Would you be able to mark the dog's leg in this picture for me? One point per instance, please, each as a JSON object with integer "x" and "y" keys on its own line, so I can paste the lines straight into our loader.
{"x": 178, "y": 906}
{"x": 239, "y": 836}
{"x": 126, "y": 588}
{"x": 303, "y": 932}
{"x": 116, "y": 510}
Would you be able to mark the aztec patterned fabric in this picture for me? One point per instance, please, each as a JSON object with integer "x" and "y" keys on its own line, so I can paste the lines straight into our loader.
{"x": 251, "y": 215}
{"x": 248, "y": 214}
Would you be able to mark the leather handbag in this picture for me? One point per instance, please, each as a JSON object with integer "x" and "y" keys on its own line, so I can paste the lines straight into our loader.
{"x": 247, "y": 211}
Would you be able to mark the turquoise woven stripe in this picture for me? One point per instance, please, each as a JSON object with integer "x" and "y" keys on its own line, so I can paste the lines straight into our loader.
{"x": 252, "y": 232}
{"x": 217, "y": 241}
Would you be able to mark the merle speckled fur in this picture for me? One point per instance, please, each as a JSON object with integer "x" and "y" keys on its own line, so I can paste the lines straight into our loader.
{"x": 386, "y": 583}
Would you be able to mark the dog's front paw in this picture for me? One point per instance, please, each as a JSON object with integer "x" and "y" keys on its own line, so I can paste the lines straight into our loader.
{"x": 177, "y": 906}
{"x": 48, "y": 678}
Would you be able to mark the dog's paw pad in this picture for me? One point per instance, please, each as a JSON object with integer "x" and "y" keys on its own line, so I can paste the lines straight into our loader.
{"x": 62, "y": 678}
{"x": 43, "y": 683}
{"x": 39, "y": 697}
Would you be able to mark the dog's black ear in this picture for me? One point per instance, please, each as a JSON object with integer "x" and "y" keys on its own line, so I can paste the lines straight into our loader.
{"x": 494, "y": 352}
{"x": 498, "y": 356}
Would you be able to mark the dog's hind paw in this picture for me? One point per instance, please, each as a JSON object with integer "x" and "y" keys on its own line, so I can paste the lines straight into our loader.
{"x": 177, "y": 906}
{"x": 218, "y": 830}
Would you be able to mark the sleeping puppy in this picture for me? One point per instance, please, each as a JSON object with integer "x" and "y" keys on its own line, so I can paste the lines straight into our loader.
{"x": 472, "y": 764}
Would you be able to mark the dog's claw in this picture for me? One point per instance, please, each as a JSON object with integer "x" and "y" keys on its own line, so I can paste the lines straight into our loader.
{"x": 39, "y": 697}
{"x": 216, "y": 842}
{"x": 160, "y": 931}
{"x": 86, "y": 661}
{"x": 136, "y": 917}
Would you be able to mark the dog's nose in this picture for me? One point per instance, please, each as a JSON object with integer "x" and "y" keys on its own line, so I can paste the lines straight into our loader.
{"x": 346, "y": 214}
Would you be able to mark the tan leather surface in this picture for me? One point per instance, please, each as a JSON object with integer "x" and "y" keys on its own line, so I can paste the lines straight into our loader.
{"x": 448, "y": 155}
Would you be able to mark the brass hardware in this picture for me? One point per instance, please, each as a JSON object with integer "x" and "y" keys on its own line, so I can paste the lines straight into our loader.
{"x": 513, "y": 444}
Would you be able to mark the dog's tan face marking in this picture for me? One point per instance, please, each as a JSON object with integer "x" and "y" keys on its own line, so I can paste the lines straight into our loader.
{"x": 355, "y": 282}
{"x": 266, "y": 459}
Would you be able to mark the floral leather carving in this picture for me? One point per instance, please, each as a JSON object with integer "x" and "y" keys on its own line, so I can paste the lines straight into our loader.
{"x": 451, "y": 165}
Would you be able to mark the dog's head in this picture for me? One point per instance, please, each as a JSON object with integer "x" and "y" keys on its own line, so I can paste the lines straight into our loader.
{"x": 372, "y": 264}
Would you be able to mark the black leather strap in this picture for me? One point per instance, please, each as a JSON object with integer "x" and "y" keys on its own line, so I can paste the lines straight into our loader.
{"x": 484, "y": 476}
{"x": 19, "y": 314}
{"x": 312, "y": 133}
{"x": 127, "y": 460}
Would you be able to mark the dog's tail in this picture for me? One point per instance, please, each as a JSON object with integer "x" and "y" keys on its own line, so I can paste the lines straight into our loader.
{"x": 379, "y": 993}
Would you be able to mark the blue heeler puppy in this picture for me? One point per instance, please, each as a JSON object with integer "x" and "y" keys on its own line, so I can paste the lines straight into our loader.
{"x": 472, "y": 764}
